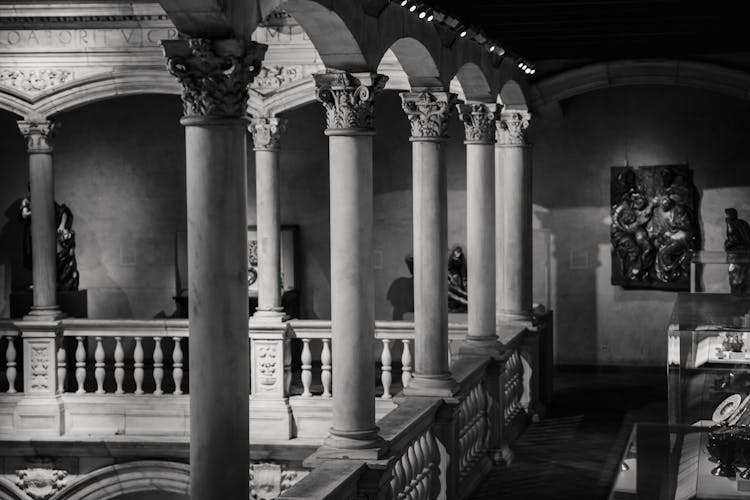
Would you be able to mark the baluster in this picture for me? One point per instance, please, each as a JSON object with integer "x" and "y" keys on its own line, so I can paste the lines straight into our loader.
{"x": 406, "y": 363}
{"x": 62, "y": 370}
{"x": 306, "y": 368}
{"x": 408, "y": 474}
{"x": 138, "y": 366}
{"x": 99, "y": 366}
{"x": 80, "y": 366}
{"x": 119, "y": 365}
{"x": 450, "y": 342}
{"x": 177, "y": 365}
{"x": 386, "y": 377}
{"x": 325, "y": 374}
{"x": 10, "y": 367}
{"x": 417, "y": 467}
{"x": 158, "y": 366}
{"x": 398, "y": 481}
{"x": 287, "y": 366}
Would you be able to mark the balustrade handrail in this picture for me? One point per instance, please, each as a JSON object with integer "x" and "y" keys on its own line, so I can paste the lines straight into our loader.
{"x": 125, "y": 327}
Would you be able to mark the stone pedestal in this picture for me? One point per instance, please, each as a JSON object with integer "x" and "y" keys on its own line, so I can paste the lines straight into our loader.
{"x": 349, "y": 101}
{"x": 428, "y": 113}
{"x": 215, "y": 75}
{"x": 513, "y": 217}
{"x": 38, "y": 134}
{"x": 270, "y": 358}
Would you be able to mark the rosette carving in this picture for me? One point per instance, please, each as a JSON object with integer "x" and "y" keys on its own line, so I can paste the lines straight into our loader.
{"x": 214, "y": 74}
{"x": 348, "y": 100}
{"x": 38, "y": 134}
{"x": 428, "y": 112}
{"x": 479, "y": 121}
{"x": 511, "y": 127}
{"x": 267, "y": 132}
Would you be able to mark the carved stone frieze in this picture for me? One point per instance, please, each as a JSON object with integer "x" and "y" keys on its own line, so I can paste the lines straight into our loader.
{"x": 274, "y": 77}
{"x": 32, "y": 81}
{"x": 428, "y": 112}
{"x": 269, "y": 480}
{"x": 511, "y": 128}
{"x": 214, "y": 74}
{"x": 348, "y": 99}
{"x": 41, "y": 482}
{"x": 267, "y": 132}
{"x": 479, "y": 121}
{"x": 38, "y": 134}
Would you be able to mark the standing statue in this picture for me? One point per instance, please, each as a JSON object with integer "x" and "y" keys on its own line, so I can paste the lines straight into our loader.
{"x": 675, "y": 242}
{"x": 458, "y": 296}
{"x": 738, "y": 240}
{"x": 67, "y": 268}
{"x": 630, "y": 237}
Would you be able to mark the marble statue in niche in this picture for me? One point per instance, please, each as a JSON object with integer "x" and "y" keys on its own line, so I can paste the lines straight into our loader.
{"x": 653, "y": 228}
{"x": 67, "y": 267}
{"x": 737, "y": 241}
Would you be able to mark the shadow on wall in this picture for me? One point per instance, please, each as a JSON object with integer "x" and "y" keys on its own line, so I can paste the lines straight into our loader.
{"x": 401, "y": 293}
{"x": 11, "y": 251}
{"x": 106, "y": 298}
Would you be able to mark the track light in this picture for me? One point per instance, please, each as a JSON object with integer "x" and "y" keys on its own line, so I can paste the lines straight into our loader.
{"x": 413, "y": 8}
{"x": 423, "y": 14}
{"x": 430, "y": 17}
{"x": 462, "y": 34}
{"x": 404, "y": 2}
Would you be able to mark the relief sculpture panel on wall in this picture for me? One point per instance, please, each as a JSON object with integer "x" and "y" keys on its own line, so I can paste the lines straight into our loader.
{"x": 654, "y": 226}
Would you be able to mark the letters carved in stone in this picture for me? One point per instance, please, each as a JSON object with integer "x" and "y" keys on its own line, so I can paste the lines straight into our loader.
{"x": 214, "y": 74}
{"x": 33, "y": 80}
{"x": 348, "y": 100}
{"x": 267, "y": 132}
{"x": 479, "y": 121}
{"x": 38, "y": 134}
{"x": 428, "y": 112}
{"x": 40, "y": 483}
{"x": 511, "y": 128}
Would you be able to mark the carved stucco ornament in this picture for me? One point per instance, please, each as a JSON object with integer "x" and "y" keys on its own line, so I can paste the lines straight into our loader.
{"x": 274, "y": 77}
{"x": 479, "y": 121}
{"x": 214, "y": 74}
{"x": 267, "y": 132}
{"x": 34, "y": 81}
{"x": 511, "y": 128}
{"x": 348, "y": 99}
{"x": 428, "y": 112}
{"x": 269, "y": 480}
{"x": 40, "y": 483}
{"x": 38, "y": 134}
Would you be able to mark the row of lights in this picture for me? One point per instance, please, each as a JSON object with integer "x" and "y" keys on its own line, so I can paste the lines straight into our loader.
{"x": 429, "y": 15}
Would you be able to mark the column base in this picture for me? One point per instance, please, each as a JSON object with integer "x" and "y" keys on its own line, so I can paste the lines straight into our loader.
{"x": 356, "y": 445}
{"x": 44, "y": 313}
{"x": 503, "y": 316}
{"x": 275, "y": 315}
{"x": 481, "y": 346}
{"x": 441, "y": 386}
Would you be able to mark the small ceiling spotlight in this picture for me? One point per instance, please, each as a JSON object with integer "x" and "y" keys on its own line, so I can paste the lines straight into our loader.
{"x": 404, "y": 3}
{"x": 423, "y": 14}
{"x": 500, "y": 51}
{"x": 492, "y": 48}
{"x": 462, "y": 34}
{"x": 413, "y": 7}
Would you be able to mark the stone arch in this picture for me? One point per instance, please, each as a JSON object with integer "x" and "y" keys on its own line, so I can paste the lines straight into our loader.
{"x": 474, "y": 84}
{"x": 413, "y": 58}
{"x": 9, "y": 491}
{"x": 10, "y": 101}
{"x": 131, "y": 477}
{"x": 511, "y": 96}
{"x": 692, "y": 74}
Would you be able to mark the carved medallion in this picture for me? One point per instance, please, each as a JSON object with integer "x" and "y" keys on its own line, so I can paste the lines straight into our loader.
{"x": 479, "y": 121}
{"x": 40, "y": 483}
{"x": 428, "y": 112}
{"x": 269, "y": 480}
{"x": 348, "y": 101}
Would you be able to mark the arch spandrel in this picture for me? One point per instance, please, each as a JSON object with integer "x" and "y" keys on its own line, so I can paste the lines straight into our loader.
{"x": 415, "y": 61}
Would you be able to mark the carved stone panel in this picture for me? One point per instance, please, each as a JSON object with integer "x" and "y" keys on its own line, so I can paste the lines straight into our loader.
{"x": 654, "y": 226}
{"x": 40, "y": 482}
{"x": 270, "y": 480}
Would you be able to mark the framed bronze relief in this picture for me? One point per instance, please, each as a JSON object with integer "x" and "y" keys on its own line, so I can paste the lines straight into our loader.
{"x": 654, "y": 226}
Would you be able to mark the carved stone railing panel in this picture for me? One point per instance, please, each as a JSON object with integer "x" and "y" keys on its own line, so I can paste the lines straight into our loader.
{"x": 416, "y": 473}
{"x": 473, "y": 425}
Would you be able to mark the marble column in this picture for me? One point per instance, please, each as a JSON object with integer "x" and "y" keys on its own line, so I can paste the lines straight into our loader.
{"x": 39, "y": 134}
{"x": 479, "y": 123}
{"x": 349, "y": 104}
{"x": 266, "y": 134}
{"x": 513, "y": 217}
{"x": 428, "y": 114}
{"x": 214, "y": 75}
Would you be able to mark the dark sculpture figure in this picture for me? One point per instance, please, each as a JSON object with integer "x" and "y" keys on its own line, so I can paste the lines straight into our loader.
{"x": 675, "y": 242}
{"x": 457, "y": 292}
{"x": 67, "y": 268}
{"x": 737, "y": 240}
{"x": 630, "y": 235}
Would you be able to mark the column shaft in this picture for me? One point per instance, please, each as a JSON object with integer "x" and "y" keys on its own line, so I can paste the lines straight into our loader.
{"x": 269, "y": 236}
{"x": 43, "y": 231}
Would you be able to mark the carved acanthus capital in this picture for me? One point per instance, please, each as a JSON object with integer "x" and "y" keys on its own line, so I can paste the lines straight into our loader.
{"x": 479, "y": 121}
{"x": 428, "y": 112}
{"x": 214, "y": 74}
{"x": 38, "y": 134}
{"x": 511, "y": 128}
{"x": 267, "y": 132}
{"x": 349, "y": 100}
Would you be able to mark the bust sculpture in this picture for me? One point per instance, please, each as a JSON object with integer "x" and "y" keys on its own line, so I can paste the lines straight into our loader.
{"x": 737, "y": 241}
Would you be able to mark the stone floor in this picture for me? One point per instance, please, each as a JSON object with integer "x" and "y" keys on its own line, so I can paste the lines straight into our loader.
{"x": 574, "y": 452}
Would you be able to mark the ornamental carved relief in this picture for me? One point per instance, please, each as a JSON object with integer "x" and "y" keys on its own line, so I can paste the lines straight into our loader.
{"x": 269, "y": 480}
{"x": 511, "y": 128}
{"x": 38, "y": 134}
{"x": 214, "y": 74}
{"x": 39, "y": 367}
{"x": 428, "y": 112}
{"x": 267, "y": 132}
{"x": 479, "y": 121}
{"x": 266, "y": 363}
{"x": 40, "y": 483}
{"x": 348, "y": 101}
{"x": 275, "y": 77}
{"x": 34, "y": 80}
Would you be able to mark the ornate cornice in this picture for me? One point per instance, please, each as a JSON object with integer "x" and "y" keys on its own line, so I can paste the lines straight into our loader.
{"x": 479, "y": 121}
{"x": 38, "y": 134}
{"x": 511, "y": 128}
{"x": 267, "y": 132}
{"x": 428, "y": 112}
{"x": 214, "y": 74}
{"x": 348, "y": 99}
{"x": 34, "y": 80}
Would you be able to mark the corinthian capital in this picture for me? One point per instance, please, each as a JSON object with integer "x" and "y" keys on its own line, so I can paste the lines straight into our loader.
{"x": 428, "y": 112}
{"x": 348, "y": 99}
{"x": 267, "y": 132}
{"x": 38, "y": 134}
{"x": 511, "y": 128}
{"x": 214, "y": 74}
{"x": 479, "y": 121}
